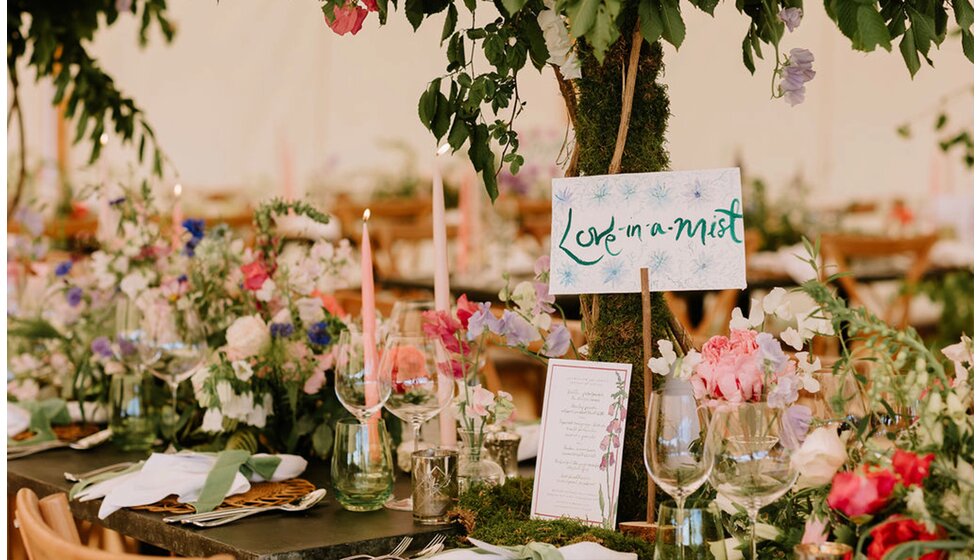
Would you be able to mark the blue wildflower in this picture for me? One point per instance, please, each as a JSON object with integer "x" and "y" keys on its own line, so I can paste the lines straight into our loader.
{"x": 281, "y": 330}
{"x": 74, "y": 296}
{"x": 194, "y": 227}
{"x": 317, "y": 333}
{"x": 182, "y": 278}
{"x": 63, "y": 269}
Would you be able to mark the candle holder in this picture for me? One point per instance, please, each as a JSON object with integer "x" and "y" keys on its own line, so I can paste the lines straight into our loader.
{"x": 435, "y": 486}
{"x": 502, "y": 448}
{"x": 825, "y": 551}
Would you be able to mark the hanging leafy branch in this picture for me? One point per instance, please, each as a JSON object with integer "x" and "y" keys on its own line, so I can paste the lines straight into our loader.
{"x": 54, "y": 38}
{"x": 461, "y": 106}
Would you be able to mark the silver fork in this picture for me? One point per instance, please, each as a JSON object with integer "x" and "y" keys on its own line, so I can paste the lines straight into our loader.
{"x": 72, "y": 477}
{"x": 402, "y": 547}
{"x": 435, "y": 546}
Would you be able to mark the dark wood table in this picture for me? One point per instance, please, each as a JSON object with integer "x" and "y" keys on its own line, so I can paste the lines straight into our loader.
{"x": 327, "y": 532}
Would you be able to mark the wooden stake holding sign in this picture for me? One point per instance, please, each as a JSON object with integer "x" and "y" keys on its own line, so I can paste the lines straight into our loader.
{"x": 646, "y": 530}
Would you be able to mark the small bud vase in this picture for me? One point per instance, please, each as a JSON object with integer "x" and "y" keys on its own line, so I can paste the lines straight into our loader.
{"x": 474, "y": 467}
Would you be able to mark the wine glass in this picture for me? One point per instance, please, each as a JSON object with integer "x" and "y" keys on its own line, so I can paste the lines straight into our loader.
{"x": 750, "y": 454}
{"x": 407, "y": 317}
{"x": 418, "y": 386}
{"x": 361, "y": 391}
{"x": 840, "y": 398}
{"x": 674, "y": 443}
{"x": 180, "y": 346}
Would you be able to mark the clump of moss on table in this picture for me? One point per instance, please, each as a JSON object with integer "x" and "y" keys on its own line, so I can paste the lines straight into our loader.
{"x": 501, "y": 515}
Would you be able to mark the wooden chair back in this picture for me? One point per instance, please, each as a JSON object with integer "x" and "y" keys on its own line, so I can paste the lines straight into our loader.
{"x": 49, "y": 533}
{"x": 843, "y": 250}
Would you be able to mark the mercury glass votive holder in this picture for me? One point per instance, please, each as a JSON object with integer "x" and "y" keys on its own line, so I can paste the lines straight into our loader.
{"x": 502, "y": 448}
{"x": 435, "y": 485}
{"x": 825, "y": 551}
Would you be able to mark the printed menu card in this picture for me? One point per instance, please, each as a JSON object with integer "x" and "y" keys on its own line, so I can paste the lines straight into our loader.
{"x": 580, "y": 446}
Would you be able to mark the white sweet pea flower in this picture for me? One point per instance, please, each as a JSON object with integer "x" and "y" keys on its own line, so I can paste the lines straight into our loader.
{"x": 775, "y": 303}
{"x": 267, "y": 291}
{"x": 524, "y": 297}
{"x": 960, "y": 353}
{"x": 310, "y": 310}
{"x": 664, "y": 364}
{"x": 242, "y": 369}
{"x": 542, "y": 321}
{"x": 792, "y": 337}
{"x": 805, "y": 368}
{"x": 755, "y": 319}
{"x": 811, "y": 323}
{"x": 690, "y": 362}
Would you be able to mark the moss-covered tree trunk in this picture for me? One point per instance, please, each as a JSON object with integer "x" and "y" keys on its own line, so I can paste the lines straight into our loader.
{"x": 613, "y": 322}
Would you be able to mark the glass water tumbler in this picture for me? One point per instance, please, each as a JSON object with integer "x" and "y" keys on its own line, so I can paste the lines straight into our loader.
{"x": 361, "y": 469}
{"x": 133, "y": 427}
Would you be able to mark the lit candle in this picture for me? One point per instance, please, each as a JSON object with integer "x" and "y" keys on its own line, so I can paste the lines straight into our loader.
{"x": 177, "y": 218}
{"x": 368, "y": 314}
{"x": 440, "y": 283}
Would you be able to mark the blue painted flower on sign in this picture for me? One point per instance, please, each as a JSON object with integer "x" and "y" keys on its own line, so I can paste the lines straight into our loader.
{"x": 600, "y": 193}
{"x": 659, "y": 195}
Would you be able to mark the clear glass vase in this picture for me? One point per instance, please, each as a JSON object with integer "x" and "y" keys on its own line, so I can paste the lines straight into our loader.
{"x": 133, "y": 427}
{"x": 475, "y": 468}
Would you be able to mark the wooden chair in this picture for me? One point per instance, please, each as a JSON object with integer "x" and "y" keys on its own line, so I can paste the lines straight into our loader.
{"x": 534, "y": 218}
{"x": 49, "y": 531}
{"x": 842, "y": 250}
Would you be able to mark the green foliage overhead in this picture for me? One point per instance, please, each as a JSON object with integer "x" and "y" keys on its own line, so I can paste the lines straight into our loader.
{"x": 479, "y": 108}
{"x": 54, "y": 39}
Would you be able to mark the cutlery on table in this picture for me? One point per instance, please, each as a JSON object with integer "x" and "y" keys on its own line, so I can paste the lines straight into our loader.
{"x": 88, "y": 442}
{"x": 434, "y": 547}
{"x": 400, "y": 548}
{"x": 221, "y": 517}
{"x": 72, "y": 477}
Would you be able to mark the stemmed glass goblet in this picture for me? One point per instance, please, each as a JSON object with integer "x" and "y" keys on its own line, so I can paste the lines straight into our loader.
{"x": 361, "y": 391}
{"x": 750, "y": 453}
{"x": 674, "y": 443}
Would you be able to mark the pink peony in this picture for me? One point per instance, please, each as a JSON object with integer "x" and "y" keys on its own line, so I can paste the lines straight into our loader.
{"x": 729, "y": 369}
{"x": 714, "y": 348}
{"x": 347, "y": 19}
{"x": 744, "y": 341}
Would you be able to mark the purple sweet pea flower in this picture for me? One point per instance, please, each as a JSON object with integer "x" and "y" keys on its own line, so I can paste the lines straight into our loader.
{"x": 74, "y": 296}
{"x": 102, "y": 347}
{"x": 796, "y": 72}
{"x": 517, "y": 330}
{"x": 770, "y": 353}
{"x": 557, "y": 342}
{"x": 786, "y": 392}
{"x": 545, "y": 302}
{"x": 791, "y": 17}
{"x": 795, "y": 425}
{"x": 542, "y": 265}
{"x": 483, "y": 320}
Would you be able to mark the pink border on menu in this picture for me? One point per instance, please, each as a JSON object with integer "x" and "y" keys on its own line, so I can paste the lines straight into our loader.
{"x": 544, "y": 414}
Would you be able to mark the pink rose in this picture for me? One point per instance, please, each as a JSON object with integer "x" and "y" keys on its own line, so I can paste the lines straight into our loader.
{"x": 855, "y": 494}
{"x": 347, "y": 19}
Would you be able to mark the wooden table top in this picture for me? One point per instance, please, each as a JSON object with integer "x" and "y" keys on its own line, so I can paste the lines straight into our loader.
{"x": 327, "y": 532}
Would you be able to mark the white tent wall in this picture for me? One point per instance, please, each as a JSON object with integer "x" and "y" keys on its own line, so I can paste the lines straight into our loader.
{"x": 247, "y": 81}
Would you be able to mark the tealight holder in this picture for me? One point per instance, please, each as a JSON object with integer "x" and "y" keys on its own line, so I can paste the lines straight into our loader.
{"x": 824, "y": 551}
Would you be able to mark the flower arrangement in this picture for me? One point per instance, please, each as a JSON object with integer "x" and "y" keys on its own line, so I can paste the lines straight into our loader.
{"x": 271, "y": 322}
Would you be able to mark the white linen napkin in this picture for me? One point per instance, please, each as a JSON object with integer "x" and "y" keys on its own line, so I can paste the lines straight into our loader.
{"x": 182, "y": 474}
{"x": 18, "y": 419}
{"x": 577, "y": 551}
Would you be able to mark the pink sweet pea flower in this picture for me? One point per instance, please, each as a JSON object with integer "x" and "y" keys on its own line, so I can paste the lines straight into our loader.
{"x": 480, "y": 401}
{"x": 814, "y": 532}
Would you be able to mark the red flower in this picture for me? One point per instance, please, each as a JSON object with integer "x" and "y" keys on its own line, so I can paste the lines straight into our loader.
{"x": 372, "y": 5}
{"x": 911, "y": 468}
{"x": 464, "y": 310}
{"x": 347, "y": 19}
{"x": 446, "y": 328}
{"x": 856, "y": 494}
{"x": 255, "y": 274}
{"x": 897, "y": 530}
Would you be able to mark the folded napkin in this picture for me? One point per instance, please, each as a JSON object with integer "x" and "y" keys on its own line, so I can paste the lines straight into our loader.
{"x": 203, "y": 479}
{"x": 18, "y": 419}
{"x": 535, "y": 551}
{"x": 41, "y": 414}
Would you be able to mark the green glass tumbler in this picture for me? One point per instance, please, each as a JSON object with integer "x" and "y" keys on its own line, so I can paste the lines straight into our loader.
{"x": 133, "y": 426}
{"x": 361, "y": 468}
{"x": 689, "y": 534}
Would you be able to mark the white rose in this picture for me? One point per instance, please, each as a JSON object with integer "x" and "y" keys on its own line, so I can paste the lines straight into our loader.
{"x": 247, "y": 336}
{"x": 310, "y": 310}
{"x": 819, "y": 458}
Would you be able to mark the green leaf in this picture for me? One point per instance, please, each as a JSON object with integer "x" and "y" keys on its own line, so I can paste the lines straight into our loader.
{"x": 537, "y": 48}
{"x": 967, "y": 41}
{"x": 513, "y": 6}
{"x": 747, "y": 59}
{"x": 871, "y": 30}
{"x": 651, "y": 27}
{"x": 490, "y": 182}
{"x": 674, "y": 29}
{"x": 963, "y": 11}
{"x": 582, "y": 14}
{"x": 447, "y": 28}
{"x": 440, "y": 123}
{"x": 605, "y": 31}
{"x": 457, "y": 133}
{"x": 429, "y": 103}
{"x": 941, "y": 121}
{"x": 323, "y": 440}
{"x": 707, "y": 6}
{"x": 923, "y": 29}
{"x": 911, "y": 56}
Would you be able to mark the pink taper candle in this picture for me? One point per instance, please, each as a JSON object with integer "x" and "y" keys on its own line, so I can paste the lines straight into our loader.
{"x": 176, "y": 219}
{"x": 440, "y": 281}
{"x": 368, "y": 315}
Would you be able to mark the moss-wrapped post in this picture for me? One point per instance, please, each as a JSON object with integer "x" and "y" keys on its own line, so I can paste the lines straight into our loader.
{"x": 613, "y": 322}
